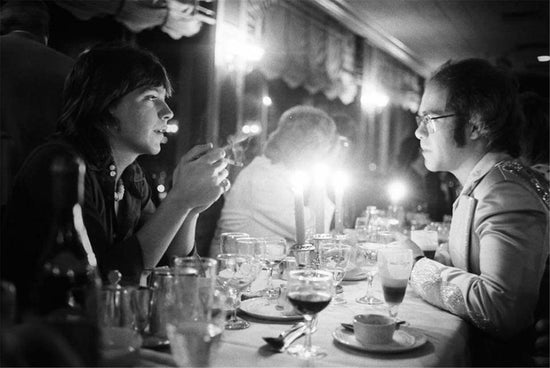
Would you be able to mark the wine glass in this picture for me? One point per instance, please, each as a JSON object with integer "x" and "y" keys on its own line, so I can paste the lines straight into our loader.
{"x": 394, "y": 268}
{"x": 271, "y": 251}
{"x": 227, "y": 240}
{"x": 367, "y": 261}
{"x": 334, "y": 257}
{"x": 368, "y": 251}
{"x": 235, "y": 273}
{"x": 243, "y": 245}
{"x": 309, "y": 291}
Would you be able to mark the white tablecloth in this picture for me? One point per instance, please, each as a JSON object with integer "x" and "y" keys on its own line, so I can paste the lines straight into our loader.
{"x": 447, "y": 338}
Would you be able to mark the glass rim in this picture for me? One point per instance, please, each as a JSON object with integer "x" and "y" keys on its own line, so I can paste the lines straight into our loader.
{"x": 308, "y": 274}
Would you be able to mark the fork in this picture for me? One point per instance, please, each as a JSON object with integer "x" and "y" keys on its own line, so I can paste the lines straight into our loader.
{"x": 286, "y": 338}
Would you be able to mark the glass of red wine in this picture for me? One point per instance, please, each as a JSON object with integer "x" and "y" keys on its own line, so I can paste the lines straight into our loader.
{"x": 394, "y": 268}
{"x": 309, "y": 291}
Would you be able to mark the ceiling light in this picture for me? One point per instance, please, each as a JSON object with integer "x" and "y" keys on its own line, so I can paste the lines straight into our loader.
{"x": 543, "y": 58}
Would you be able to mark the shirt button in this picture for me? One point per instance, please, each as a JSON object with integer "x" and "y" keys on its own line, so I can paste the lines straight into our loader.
{"x": 112, "y": 173}
{"x": 112, "y": 167}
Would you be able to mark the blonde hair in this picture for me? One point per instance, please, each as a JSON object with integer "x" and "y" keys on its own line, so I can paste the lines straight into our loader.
{"x": 304, "y": 134}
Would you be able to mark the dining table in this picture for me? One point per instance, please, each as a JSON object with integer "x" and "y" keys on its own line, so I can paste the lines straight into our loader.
{"x": 441, "y": 337}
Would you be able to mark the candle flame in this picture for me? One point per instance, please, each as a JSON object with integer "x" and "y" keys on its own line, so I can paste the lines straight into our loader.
{"x": 397, "y": 191}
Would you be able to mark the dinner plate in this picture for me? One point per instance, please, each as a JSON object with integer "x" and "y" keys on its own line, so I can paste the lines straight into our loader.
{"x": 264, "y": 309}
{"x": 404, "y": 339}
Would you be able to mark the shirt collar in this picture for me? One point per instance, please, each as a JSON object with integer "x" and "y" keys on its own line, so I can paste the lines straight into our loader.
{"x": 483, "y": 166}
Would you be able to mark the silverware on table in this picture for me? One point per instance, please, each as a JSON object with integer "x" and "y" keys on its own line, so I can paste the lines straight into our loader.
{"x": 286, "y": 338}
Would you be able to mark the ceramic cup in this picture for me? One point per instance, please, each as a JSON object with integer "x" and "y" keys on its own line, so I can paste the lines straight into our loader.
{"x": 373, "y": 329}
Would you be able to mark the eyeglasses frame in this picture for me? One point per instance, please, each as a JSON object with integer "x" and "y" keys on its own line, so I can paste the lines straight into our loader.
{"x": 427, "y": 121}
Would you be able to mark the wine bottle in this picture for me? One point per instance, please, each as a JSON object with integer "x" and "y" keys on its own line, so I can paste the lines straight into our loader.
{"x": 69, "y": 283}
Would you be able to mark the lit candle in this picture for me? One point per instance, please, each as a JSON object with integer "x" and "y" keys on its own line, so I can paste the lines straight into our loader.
{"x": 340, "y": 181}
{"x": 318, "y": 197}
{"x": 298, "y": 188}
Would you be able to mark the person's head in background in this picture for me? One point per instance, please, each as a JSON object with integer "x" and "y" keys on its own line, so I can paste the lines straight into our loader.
{"x": 304, "y": 136}
{"x": 535, "y": 134}
{"x": 476, "y": 111}
{"x": 104, "y": 77}
{"x": 30, "y": 16}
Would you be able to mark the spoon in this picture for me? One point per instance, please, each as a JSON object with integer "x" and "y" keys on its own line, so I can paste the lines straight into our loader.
{"x": 286, "y": 338}
{"x": 349, "y": 326}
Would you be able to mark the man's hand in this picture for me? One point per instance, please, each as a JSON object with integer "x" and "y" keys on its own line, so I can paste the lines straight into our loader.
{"x": 200, "y": 177}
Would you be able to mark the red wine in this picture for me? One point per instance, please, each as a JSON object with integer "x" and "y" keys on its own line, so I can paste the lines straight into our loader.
{"x": 309, "y": 303}
{"x": 394, "y": 294}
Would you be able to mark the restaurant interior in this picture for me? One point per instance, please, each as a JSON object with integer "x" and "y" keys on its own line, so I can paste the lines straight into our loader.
{"x": 237, "y": 65}
{"x": 240, "y": 65}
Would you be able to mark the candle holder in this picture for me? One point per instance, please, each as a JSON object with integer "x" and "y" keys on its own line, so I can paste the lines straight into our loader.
{"x": 303, "y": 253}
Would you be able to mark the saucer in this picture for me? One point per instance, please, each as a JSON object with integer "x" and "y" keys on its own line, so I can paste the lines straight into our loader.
{"x": 404, "y": 339}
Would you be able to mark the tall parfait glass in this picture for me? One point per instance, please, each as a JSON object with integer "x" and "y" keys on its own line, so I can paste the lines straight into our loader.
{"x": 394, "y": 267}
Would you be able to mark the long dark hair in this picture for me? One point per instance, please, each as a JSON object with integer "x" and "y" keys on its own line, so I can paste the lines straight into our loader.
{"x": 100, "y": 77}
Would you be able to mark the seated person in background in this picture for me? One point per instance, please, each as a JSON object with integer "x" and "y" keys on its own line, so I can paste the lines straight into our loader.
{"x": 498, "y": 243}
{"x": 114, "y": 111}
{"x": 534, "y": 137}
{"x": 31, "y": 81}
{"x": 261, "y": 202}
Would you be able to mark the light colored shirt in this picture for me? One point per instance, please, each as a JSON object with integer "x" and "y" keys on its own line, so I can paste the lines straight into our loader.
{"x": 261, "y": 203}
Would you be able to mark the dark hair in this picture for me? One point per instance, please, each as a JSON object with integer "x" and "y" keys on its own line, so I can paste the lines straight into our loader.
{"x": 484, "y": 96}
{"x": 534, "y": 137}
{"x": 25, "y": 15}
{"x": 100, "y": 77}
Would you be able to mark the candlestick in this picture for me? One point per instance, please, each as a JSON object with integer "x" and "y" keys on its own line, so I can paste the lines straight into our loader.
{"x": 339, "y": 183}
{"x": 298, "y": 189}
{"x": 318, "y": 196}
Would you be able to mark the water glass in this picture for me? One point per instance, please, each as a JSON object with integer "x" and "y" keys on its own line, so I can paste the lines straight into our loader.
{"x": 270, "y": 251}
{"x": 334, "y": 257}
{"x": 235, "y": 273}
{"x": 227, "y": 240}
{"x": 367, "y": 257}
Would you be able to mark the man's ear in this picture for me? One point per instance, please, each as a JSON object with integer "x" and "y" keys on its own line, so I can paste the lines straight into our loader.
{"x": 473, "y": 130}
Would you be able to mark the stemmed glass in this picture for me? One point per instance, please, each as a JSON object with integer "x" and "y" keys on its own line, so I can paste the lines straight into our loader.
{"x": 235, "y": 273}
{"x": 309, "y": 291}
{"x": 228, "y": 240}
{"x": 334, "y": 257}
{"x": 394, "y": 267}
{"x": 271, "y": 251}
{"x": 367, "y": 258}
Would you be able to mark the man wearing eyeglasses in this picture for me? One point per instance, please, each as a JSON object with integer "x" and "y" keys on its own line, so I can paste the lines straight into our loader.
{"x": 468, "y": 124}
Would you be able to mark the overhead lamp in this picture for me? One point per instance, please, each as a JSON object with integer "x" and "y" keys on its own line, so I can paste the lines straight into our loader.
{"x": 543, "y": 58}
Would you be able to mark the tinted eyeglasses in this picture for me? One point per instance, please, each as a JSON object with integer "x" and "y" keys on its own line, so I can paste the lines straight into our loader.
{"x": 428, "y": 121}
